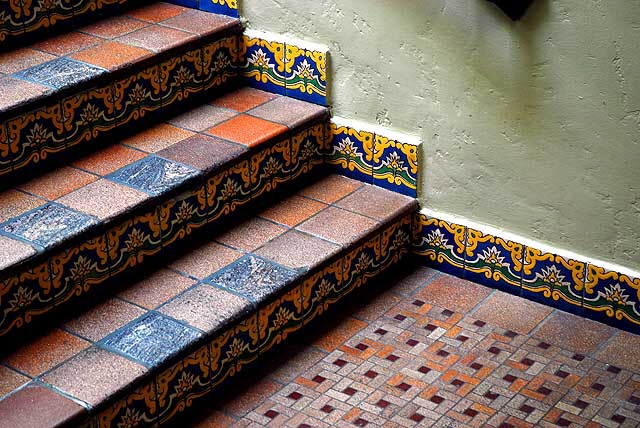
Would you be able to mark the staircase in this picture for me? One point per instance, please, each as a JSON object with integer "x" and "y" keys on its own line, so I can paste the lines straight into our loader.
{"x": 162, "y": 223}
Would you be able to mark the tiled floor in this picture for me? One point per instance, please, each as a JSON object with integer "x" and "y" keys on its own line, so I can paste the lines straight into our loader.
{"x": 428, "y": 349}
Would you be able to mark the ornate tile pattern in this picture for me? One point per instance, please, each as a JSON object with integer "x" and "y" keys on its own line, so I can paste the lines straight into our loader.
{"x": 223, "y": 7}
{"x": 263, "y": 63}
{"x": 439, "y": 243}
{"x": 395, "y": 164}
{"x": 612, "y": 297}
{"x": 306, "y": 72}
{"x": 351, "y": 152}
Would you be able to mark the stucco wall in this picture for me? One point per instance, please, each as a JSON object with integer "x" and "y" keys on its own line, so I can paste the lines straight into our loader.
{"x": 533, "y": 127}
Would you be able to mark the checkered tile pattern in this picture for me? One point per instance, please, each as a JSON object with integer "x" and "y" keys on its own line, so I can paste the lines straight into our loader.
{"x": 419, "y": 364}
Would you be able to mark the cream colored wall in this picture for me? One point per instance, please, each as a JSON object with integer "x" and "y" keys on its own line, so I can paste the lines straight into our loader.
{"x": 533, "y": 127}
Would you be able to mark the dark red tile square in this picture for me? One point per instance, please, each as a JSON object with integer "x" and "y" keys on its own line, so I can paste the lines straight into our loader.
{"x": 544, "y": 391}
{"x": 319, "y": 379}
{"x": 361, "y": 346}
{"x": 491, "y": 395}
{"x": 613, "y": 369}
{"x": 430, "y": 327}
{"x": 393, "y": 358}
{"x": 479, "y": 323}
{"x": 382, "y": 404}
{"x": 436, "y": 399}
{"x": 424, "y": 370}
{"x": 526, "y": 408}
{"x": 381, "y": 331}
{"x": 581, "y": 404}
{"x": 494, "y": 350}
{"x": 544, "y": 345}
{"x": 527, "y": 361}
{"x": 618, "y": 419}
{"x": 271, "y": 414}
{"x": 476, "y": 366}
{"x": 462, "y": 338}
{"x": 404, "y": 386}
{"x": 578, "y": 357}
{"x": 563, "y": 422}
{"x": 327, "y": 408}
{"x": 340, "y": 363}
{"x": 418, "y": 303}
{"x": 470, "y": 412}
{"x": 349, "y": 391}
{"x": 511, "y": 334}
{"x": 457, "y": 383}
{"x": 561, "y": 374}
{"x": 447, "y": 313}
{"x": 400, "y": 317}
{"x": 361, "y": 422}
{"x": 412, "y": 342}
{"x": 295, "y": 396}
{"x": 371, "y": 374}
{"x": 598, "y": 387}
{"x": 510, "y": 378}
{"x": 442, "y": 353}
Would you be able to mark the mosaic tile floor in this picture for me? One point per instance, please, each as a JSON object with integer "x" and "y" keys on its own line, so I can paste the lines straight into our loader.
{"x": 430, "y": 349}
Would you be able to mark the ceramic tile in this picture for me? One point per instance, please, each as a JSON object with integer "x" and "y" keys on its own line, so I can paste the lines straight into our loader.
{"x": 113, "y": 27}
{"x": 61, "y": 73}
{"x": 202, "y": 118}
{"x": 293, "y": 210}
{"x": 289, "y": 112}
{"x": 103, "y": 319}
{"x": 511, "y": 312}
{"x": 306, "y": 73}
{"x": 208, "y": 308}
{"x": 111, "y": 55}
{"x": 57, "y": 183}
{"x": 278, "y": 319}
{"x": 205, "y": 260}
{"x": 338, "y": 225}
{"x": 89, "y": 114}
{"x": 182, "y": 76}
{"x": 156, "y": 12}
{"x": 13, "y": 26}
{"x": 573, "y": 332}
{"x": 53, "y": 409}
{"x": 253, "y": 278}
{"x": 13, "y": 251}
{"x": 11, "y": 380}
{"x": 48, "y": 224}
{"x": 264, "y": 66}
{"x": 440, "y": 244}
{"x": 395, "y": 241}
{"x": 220, "y": 62}
{"x": 395, "y": 164}
{"x": 228, "y": 190}
{"x": 250, "y": 234}
{"x": 377, "y": 203}
{"x": 297, "y": 250}
{"x": 135, "y": 96}
{"x": 153, "y": 175}
{"x": 243, "y": 99}
{"x": 331, "y": 188}
{"x": 139, "y": 406}
{"x": 493, "y": 261}
{"x": 151, "y": 339}
{"x": 67, "y": 43}
{"x": 352, "y": 152}
{"x": 20, "y": 59}
{"x": 156, "y": 38}
{"x": 271, "y": 168}
{"x": 202, "y": 152}
{"x": 18, "y": 92}
{"x": 156, "y": 288}
{"x": 94, "y": 375}
{"x": 247, "y": 130}
{"x": 322, "y": 289}
{"x": 457, "y": 294}
{"x": 157, "y": 137}
{"x": 612, "y": 298}
{"x": 223, "y": 7}
{"x": 234, "y": 349}
{"x": 307, "y": 152}
{"x": 184, "y": 214}
{"x": 200, "y": 23}
{"x": 108, "y": 159}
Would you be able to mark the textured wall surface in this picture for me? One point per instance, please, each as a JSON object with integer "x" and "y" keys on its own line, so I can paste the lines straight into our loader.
{"x": 532, "y": 127}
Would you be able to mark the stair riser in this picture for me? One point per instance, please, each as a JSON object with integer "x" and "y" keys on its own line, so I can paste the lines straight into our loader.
{"x": 211, "y": 363}
{"x": 141, "y": 93}
{"x": 65, "y": 276}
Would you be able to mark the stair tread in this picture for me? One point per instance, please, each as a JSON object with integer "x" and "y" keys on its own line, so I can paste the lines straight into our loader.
{"x": 231, "y": 274}
{"x": 106, "y": 185}
{"x": 70, "y": 60}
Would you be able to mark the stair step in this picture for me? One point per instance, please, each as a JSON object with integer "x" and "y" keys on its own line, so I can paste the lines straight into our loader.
{"x": 69, "y": 91}
{"x": 194, "y": 322}
{"x": 69, "y": 231}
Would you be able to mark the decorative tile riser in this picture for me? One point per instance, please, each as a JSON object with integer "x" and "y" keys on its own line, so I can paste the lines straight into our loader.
{"x": 213, "y": 364}
{"x": 84, "y": 119}
{"x": 31, "y": 291}
{"x": 571, "y": 285}
{"x": 26, "y": 20}
{"x": 222, "y": 7}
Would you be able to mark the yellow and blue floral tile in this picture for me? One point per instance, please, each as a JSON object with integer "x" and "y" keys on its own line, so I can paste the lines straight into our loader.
{"x": 613, "y": 298}
{"x": 77, "y": 270}
{"x": 183, "y": 215}
{"x": 25, "y": 295}
{"x": 306, "y": 150}
{"x": 270, "y": 168}
{"x": 493, "y": 261}
{"x": 132, "y": 241}
{"x": 222, "y": 7}
{"x": 553, "y": 280}
{"x": 439, "y": 244}
{"x": 306, "y": 71}
{"x": 233, "y": 349}
{"x": 395, "y": 242}
{"x": 263, "y": 66}
{"x": 361, "y": 264}
{"x": 89, "y": 114}
{"x": 228, "y": 190}
{"x": 138, "y": 409}
{"x": 181, "y": 384}
{"x": 395, "y": 163}
{"x": 219, "y": 62}
{"x": 321, "y": 290}
{"x": 192, "y": 4}
{"x": 35, "y": 135}
{"x": 352, "y": 150}
{"x": 279, "y": 318}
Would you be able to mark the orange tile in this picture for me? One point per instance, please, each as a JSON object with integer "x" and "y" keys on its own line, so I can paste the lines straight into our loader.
{"x": 58, "y": 182}
{"x": 13, "y": 203}
{"x": 339, "y": 334}
{"x": 247, "y": 130}
{"x": 109, "y": 159}
{"x": 331, "y": 188}
{"x": 21, "y": 59}
{"x": 157, "y": 138}
{"x": 113, "y": 27}
{"x": 67, "y": 43}
{"x": 243, "y": 99}
{"x": 293, "y": 210}
{"x": 156, "y": 12}
{"x": 111, "y": 55}
{"x": 10, "y": 380}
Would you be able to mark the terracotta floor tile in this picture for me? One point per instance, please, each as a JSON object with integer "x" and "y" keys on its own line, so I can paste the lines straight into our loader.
{"x": 454, "y": 293}
{"x": 376, "y": 202}
{"x": 111, "y": 55}
{"x": 205, "y": 260}
{"x": 573, "y": 332}
{"x": 157, "y": 138}
{"x": 199, "y": 22}
{"x": 156, "y": 38}
{"x": 94, "y": 375}
{"x": 293, "y": 210}
{"x": 104, "y": 319}
{"x": 293, "y": 359}
{"x": 13, "y": 203}
{"x": 247, "y": 130}
{"x": 109, "y": 159}
{"x": 37, "y": 406}
{"x": 45, "y": 352}
{"x": 202, "y": 118}
{"x": 250, "y": 234}
{"x": 336, "y": 335}
{"x": 20, "y": 59}
{"x": 103, "y": 199}
{"x": 16, "y": 92}
{"x": 245, "y": 402}
{"x": 10, "y": 380}
{"x": 215, "y": 420}
{"x": 156, "y": 288}
{"x": 297, "y": 250}
{"x": 243, "y": 99}
{"x": 623, "y": 350}
{"x": 58, "y": 182}
{"x": 370, "y": 310}
{"x": 202, "y": 152}
{"x": 111, "y": 28}
{"x": 338, "y": 225}
{"x": 67, "y": 43}
{"x": 512, "y": 312}
{"x": 410, "y": 281}
{"x": 331, "y": 188}
{"x": 288, "y": 111}
{"x": 13, "y": 251}
{"x": 156, "y": 12}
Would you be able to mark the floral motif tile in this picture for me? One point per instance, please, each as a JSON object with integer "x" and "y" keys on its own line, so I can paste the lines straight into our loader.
{"x": 352, "y": 151}
{"x": 439, "y": 243}
{"x": 395, "y": 164}
{"x": 306, "y": 72}
{"x": 264, "y": 66}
